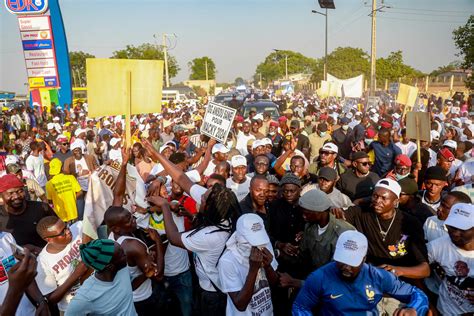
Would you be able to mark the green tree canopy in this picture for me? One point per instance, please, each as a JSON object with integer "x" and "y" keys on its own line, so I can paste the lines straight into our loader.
{"x": 449, "y": 67}
{"x": 273, "y": 67}
{"x": 77, "y": 61}
{"x": 197, "y": 67}
{"x": 147, "y": 51}
{"x": 464, "y": 41}
{"x": 344, "y": 63}
{"x": 239, "y": 81}
{"x": 392, "y": 68}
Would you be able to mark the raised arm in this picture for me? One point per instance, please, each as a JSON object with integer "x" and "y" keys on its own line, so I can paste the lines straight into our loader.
{"x": 175, "y": 173}
{"x": 120, "y": 184}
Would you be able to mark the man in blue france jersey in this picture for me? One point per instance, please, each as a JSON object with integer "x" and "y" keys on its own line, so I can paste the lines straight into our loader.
{"x": 350, "y": 286}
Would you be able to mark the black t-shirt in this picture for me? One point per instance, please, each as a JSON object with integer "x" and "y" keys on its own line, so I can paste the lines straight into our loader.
{"x": 404, "y": 245}
{"x": 355, "y": 187}
{"x": 23, "y": 226}
{"x": 303, "y": 142}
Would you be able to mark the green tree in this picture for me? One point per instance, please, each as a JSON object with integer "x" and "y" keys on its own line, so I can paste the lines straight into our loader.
{"x": 344, "y": 63}
{"x": 464, "y": 41}
{"x": 239, "y": 81}
{"x": 273, "y": 67}
{"x": 449, "y": 67}
{"x": 393, "y": 67}
{"x": 197, "y": 67}
{"x": 147, "y": 51}
{"x": 77, "y": 61}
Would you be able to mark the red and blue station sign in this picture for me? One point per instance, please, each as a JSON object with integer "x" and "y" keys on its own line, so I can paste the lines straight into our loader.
{"x": 26, "y": 6}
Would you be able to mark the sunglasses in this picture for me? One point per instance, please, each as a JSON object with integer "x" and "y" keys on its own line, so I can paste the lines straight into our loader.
{"x": 61, "y": 234}
{"x": 65, "y": 144}
{"x": 365, "y": 163}
{"x": 327, "y": 153}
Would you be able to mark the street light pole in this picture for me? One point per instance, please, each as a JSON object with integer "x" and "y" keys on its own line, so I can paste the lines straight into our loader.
{"x": 286, "y": 67}
{"x": 373, "y": 50}
{"x": 165, "y": 53}
{"x": 207, "y": 77}
{"x": 325, "y": 69}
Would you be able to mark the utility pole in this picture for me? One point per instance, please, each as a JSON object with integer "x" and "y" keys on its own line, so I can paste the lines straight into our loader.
{"x": 373, "y": 49}
{"x": 165, "y": 53}
{"x": 286, "y": 67}
{"x": 260, "y": 83}
{"x": 326, "y": 49}
{"x": 207, "y": 76}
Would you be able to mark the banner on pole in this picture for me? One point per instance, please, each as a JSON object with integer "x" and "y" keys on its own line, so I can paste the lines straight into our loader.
{"x": 218, "y": 121}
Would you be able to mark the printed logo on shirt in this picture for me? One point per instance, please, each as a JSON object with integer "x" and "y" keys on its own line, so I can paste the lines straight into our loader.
{"x": 369, "y": 293}
{"x": 459, "y": 285}
{"x": 71, "y": 258}
{"x": 398, "y": 250}
{"x": 5, "y": 265}
{"x": 333, "y": 297}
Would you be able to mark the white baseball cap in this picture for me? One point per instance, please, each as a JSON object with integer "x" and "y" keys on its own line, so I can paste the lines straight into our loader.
{"x": 450, "y": 143}
{"x": 78, "y": 144}
{"x": 114, "y": 141}
{"x": 11, "y": 159}
{"x": 390, "y": 185}
{"x": 461, "y": 216}
{"x": 330, "y": 147}
{"x": 79, "y": 131}
{"x": 50, "y": 126}
{"x": 258, "y": 117}
{"x": 238, "y": 160}
{"x": 106, "y": 123}
{"x": 266, "y": 141}
{"x": 434, "y": 135}
{"x": 251, "y": 227}
{"x": 55, "y": 118}
{"x": 258, "y": 143}
{"x": 220, "y": 148}
{"x": 351, "y": 248}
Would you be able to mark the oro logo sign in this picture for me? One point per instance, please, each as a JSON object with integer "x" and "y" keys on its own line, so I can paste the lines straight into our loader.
{"x": 26, "y": 6}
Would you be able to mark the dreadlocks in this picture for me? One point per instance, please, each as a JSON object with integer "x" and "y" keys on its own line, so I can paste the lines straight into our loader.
{"x": 222, "y": 210}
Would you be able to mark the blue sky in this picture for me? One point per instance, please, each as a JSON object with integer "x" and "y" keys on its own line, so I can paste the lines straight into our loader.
{"x": 239, "y": 34}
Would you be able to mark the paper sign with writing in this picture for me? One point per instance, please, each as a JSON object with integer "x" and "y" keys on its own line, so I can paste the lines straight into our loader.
{"x": 218, "y": 121}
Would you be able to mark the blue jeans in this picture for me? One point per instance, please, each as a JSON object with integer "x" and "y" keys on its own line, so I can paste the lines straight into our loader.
{"x": 181, "y": 285}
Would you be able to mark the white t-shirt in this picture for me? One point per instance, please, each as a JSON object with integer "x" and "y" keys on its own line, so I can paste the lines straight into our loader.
{"x": 466, "y": 171}
{"x": 54, "y": 269}
{"x": 36, "y": 165}
{"x": 207, "y": 245}
{"x": 407, "y": 149}
{"x": 434, "y": 228}
{"x": 458, "y": 265}
{"x": 115, "y": 154}
{"x": 241, "y": 144}
{"x": 454, "y": 167}
{"x": 434, "y": 206}
{"x": 209, "y": 169}
{"x": 233, "y": 275}
{"x": 25, "y": 308}
{"x": 81, "y": 166}
{"x": 240, "y": 189}
{"x": 176, "y": 258}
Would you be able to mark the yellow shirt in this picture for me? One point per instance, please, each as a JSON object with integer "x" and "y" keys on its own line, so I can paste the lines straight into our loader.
{"x": 62, "y": 189}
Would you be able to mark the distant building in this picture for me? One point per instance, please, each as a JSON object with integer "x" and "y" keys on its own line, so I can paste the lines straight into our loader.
{"x": 459, "y": 75}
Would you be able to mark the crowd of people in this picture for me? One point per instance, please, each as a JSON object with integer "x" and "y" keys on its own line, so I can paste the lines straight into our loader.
{"x": 326, "y": 210}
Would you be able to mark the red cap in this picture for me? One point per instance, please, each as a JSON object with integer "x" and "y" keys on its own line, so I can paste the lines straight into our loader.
{"x": 403, "y": 160}
{"x": 386, "y": 125}
{"x": 239, "y": 118}
{"x": 370, "y": 133}
{"x": 274, "y": 124}
{"x": 447, "y": 154}
{"x": 10, "y": 181}
{"x": 282, "y": 119}
{"x": 323, "y": 117}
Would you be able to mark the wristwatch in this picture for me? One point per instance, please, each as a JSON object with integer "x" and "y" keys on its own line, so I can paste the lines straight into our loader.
{"x": 43, "y": 300}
